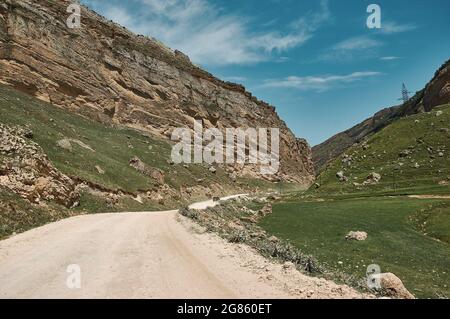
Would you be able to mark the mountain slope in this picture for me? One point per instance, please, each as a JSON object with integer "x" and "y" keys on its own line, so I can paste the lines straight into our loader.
{"x": 436, "y": 92}
{"x": 55, "y": 164}
{"x": 409, "y": 156}
{"x": 107, "y": 73}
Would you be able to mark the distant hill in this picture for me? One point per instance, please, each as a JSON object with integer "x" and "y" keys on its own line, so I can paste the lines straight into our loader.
{"x": 436, "y": 92}
{"x": 409, "y": 156}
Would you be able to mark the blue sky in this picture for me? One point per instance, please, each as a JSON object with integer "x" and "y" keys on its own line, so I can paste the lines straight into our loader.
{"x": 315, "y": 60}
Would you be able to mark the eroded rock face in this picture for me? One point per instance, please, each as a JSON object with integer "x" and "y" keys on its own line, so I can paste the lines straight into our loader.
{"x": 26, "y": 170}
{"x": 103, "y": 71}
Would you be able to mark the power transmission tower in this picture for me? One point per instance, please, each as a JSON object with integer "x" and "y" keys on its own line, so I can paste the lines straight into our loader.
{"x": 405, "y": 94}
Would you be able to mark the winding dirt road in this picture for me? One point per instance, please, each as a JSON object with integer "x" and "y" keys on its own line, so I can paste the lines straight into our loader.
{"x": 145, "y": 255}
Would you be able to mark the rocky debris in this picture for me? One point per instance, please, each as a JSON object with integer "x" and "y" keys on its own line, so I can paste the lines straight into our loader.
{"x": 356, "y": 235}
{"x": 99, "y": 170}
{"x": 347, "y": 160}
{"x": 439, "y": 113}
{"x": 341, "y": 176}
{"x": 405, "y": 153}
{"x": 138, "y": 199}
{"x": 289, "y": 266}
{"x": 373, "y": 178}
{"x": 365, "y": 146}
{"x": 64, "y": 144}
{"x": 131, "y": 80}
{"x": 212, "y": 169}
{"x": 273, "y": 239}
{"x": 26, "y": 170}
{"x": 266, "y": 210}
{"x": 151, "y": 172}
{"x": 393, "y": 286}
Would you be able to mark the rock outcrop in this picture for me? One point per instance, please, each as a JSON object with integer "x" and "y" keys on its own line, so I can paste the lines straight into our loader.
{"x": 26, "y": 170}
{"x": 436, "y": 92}
{"x": 103, "y": 71}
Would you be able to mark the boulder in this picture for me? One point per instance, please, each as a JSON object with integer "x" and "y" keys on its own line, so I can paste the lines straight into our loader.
{"x": 99, "y": 170}
{"x": 373, "y": 178}
{"x": 393, "y": 286}
{"x": 64, "y": 144}
{"x": 356, "y": 235}
{"x": 342, "y": 178}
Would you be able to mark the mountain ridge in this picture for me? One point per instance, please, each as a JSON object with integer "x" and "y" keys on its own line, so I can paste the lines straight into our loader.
{"x": 106, "y": 72}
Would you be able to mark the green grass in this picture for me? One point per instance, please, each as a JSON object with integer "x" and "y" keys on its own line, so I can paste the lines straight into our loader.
{"x": 18, "y": 215}
{"x": 399, "y": 175}
{"x": 394, "y": 241}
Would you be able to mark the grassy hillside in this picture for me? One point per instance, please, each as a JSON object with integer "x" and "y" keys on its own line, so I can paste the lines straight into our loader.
{"x": 409, "y": 237}
{"x": 110, "y": 148}
{"x": 411, "y": 155}
{"x": 402, "y": 237}
{"x": 100, "y": 155}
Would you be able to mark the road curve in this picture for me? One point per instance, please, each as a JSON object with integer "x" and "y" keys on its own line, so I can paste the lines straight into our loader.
{"x": 128, "y": 255}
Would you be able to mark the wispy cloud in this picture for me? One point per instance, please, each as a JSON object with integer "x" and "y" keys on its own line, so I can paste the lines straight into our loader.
{"x": 393, "y": 27}
{"x": 353, "y": 48}
{"x": 319, "y": 83}
{"x": 390, "y": 58}
{"x": 209, "y": 36}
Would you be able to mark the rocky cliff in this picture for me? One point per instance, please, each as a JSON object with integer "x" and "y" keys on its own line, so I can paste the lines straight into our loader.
{"x": 436, "y": 92}
{"x": 105, "y": 72}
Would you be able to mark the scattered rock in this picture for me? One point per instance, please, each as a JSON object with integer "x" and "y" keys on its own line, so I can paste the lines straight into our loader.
{"x": 356, "y": 235}
{"x": 405, "y": 153}
{"x": 342, "y": 178}
{"x": 373, "y": 178}
{"x": 138, "y": 199}
{"x": 266, "y": 210}
{"x": 64, "y": 144}
{"x": 99, "y": 170}
{"x": 212, "y": 169}
{"x": 273, "y": 239}
{"x": 439, "y": 113}
{"x": 142, "y": 168}
{"x": 289, "y": 266}
{"x": 394, "y": 287}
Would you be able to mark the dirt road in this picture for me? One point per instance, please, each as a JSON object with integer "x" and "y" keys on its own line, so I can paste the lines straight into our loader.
{"x": 145, "y": 255}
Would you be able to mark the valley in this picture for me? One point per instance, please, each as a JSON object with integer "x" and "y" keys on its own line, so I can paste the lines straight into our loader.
{"x": 88, "y": 177}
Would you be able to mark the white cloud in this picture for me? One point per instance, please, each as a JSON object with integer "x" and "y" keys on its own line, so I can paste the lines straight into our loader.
{"x": 353, "y": 48}
{"x": 209, "y": 36}
{"x": 318, "y": 83}
{"x": 392, "y": 27}
{"x": 390, "y": 58}
{"x": 357, "y": 43}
